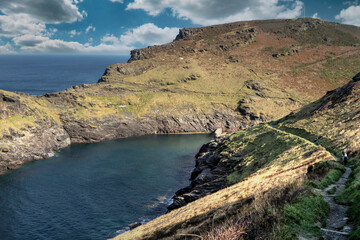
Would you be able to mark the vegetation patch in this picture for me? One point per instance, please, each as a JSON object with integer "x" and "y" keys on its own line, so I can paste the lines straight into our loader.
{"x": 331, "y": 191}
{"x": 334, "y": 172}
{"x": 339, "y": 68}
{"x": 351, "y": 196}
{"x": 16, "y": 122}
{"x": 261, "y": 147}
{"x": 303, "y": 216}
{"x": 316, "y": 33}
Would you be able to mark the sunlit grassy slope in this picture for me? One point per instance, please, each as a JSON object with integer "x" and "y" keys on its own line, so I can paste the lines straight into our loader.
{"x": 264, "y": 166}
{"x": 230, "y": 65}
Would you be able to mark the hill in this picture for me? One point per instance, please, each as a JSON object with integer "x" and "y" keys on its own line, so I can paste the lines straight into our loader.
{"x": 258, "y": 183}
{"x": 268, "y": 175}
{"x": 229, "y": 76}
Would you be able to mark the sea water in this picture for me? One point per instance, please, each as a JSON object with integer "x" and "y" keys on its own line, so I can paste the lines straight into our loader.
{"x": 40, "y": 74}
{"x": 87, "y": 191}
{"x": 94, "y": 191}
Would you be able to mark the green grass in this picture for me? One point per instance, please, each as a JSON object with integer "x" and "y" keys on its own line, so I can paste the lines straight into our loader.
{"x": 298, "y": 220}
{"x": 332, "y": 190}
{"x": 351, "y": 196}
{"x": 260, "y": 147}
{"x": 307, "y": 34}
{"x": 334, "y": 172}
{"x": 344, "y": 67}
{"x": 319, "y": 140}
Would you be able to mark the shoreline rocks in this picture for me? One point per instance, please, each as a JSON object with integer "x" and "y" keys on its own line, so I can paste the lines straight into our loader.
{"x": 43, "y": 140}
{"x": 206, "y": 177}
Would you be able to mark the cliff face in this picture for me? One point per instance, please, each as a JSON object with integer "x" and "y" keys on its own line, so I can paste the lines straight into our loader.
{"x": 223, "y": 76}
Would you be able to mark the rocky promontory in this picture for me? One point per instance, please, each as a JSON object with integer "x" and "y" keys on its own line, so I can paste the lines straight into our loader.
{"x": 222, "y": 76}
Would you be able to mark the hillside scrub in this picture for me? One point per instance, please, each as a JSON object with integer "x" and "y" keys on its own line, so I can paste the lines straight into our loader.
{"x": 260, "y": 148}
{"x": 334, "y": 172}
{"x": 351, "y": 196}
{"x": 298, "y": 219}
{"x": 285, "y": 217}
{"x": 271, "y": 166}
{"x": 295, "y": 218}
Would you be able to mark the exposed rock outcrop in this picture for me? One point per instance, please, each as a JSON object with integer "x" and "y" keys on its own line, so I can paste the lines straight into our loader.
{"x": 205, "y": 179}
{"x": 39, "y": 143}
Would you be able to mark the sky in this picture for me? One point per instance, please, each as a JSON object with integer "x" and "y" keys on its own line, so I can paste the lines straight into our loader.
{"x": 118, "y": 26}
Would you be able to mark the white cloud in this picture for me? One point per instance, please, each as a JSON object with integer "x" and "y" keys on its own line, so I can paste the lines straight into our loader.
{"x": 44, "y": 11}
{"x": 316, "y": 15}
{"x": 147, "y": 34}
{"x": 17, "y": 24}
{"x": 7, "y": 49}
{"x": 350, "y": 15}
{"x": 90, "y": 28}
{"x": 206, "y": 12}
{"x": 24, "y": 21}
{"x": 119, "y": 1}
{"x": 73, "y": 33}
{"x": 110, "y": 39}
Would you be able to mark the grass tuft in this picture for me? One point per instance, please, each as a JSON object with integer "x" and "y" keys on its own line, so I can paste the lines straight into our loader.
{"x": 333, "y": 171}
{"x": 298, "y": 219}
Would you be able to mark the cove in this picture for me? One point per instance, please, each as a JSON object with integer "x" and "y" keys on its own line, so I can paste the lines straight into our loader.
{"x": 93, "y": 191}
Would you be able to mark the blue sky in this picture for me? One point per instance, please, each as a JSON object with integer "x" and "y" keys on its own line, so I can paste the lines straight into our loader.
{"x": 117, "y": 26}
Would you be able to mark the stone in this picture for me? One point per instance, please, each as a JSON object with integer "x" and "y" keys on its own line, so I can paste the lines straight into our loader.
{"x": 356, "y": 77}
{"x": 134, "y": 225}
{"x": 218, "y": 132}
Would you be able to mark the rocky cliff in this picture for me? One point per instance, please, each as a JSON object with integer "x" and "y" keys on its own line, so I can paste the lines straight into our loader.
{"x": 223, "y": 76}
{"x": 252, "y": 174}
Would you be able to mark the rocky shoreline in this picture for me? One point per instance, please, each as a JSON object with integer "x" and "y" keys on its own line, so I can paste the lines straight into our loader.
{"x": 205, "y": 179}
{"x": 44, "y": 140}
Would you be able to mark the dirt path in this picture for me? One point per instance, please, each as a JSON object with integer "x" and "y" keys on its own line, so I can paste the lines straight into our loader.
{"x": 337, "y": 228}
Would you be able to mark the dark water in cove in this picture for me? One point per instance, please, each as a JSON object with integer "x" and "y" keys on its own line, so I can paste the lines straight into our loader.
{"x": 90, "y": 191}
{"x": 40, "y": 74}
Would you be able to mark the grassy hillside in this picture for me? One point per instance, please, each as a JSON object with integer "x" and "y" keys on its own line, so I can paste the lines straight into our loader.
{"x": 232, "y": 76}
{"x": 268, "y": 177}
{"x": 230, "y": 65}
{"x": 332, "y": 121}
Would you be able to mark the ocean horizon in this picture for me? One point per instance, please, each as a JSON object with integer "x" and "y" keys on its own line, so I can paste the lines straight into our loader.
{"x": 41, "y": 74}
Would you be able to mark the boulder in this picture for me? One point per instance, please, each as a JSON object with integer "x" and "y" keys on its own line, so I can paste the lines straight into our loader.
{"x": 218, "y": 132}
{"x": 356, "y": 77}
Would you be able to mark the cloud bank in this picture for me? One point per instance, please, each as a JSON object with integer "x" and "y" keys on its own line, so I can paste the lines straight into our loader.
{"x": 24, "y": 22}
{"x": 350, "y": 15}
{"x": 147, "y": 34}
{"x": 207, "y": 12}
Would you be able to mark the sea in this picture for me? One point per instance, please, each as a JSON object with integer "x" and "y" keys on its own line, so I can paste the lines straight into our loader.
{"x": 88, "y": 191}
{"x": 40, "y": 74}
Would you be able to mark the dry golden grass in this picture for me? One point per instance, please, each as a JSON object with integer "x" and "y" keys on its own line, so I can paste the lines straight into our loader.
{"x": 278, "y": 177}
{"x": 332, "y": 121}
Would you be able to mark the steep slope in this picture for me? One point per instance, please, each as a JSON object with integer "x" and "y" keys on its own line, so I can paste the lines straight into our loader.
{"x": 332, "y": 121}
{"x": 264, "y": 183}
{"x": 226, "y": 76}
{"x": 266, "y": 166}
